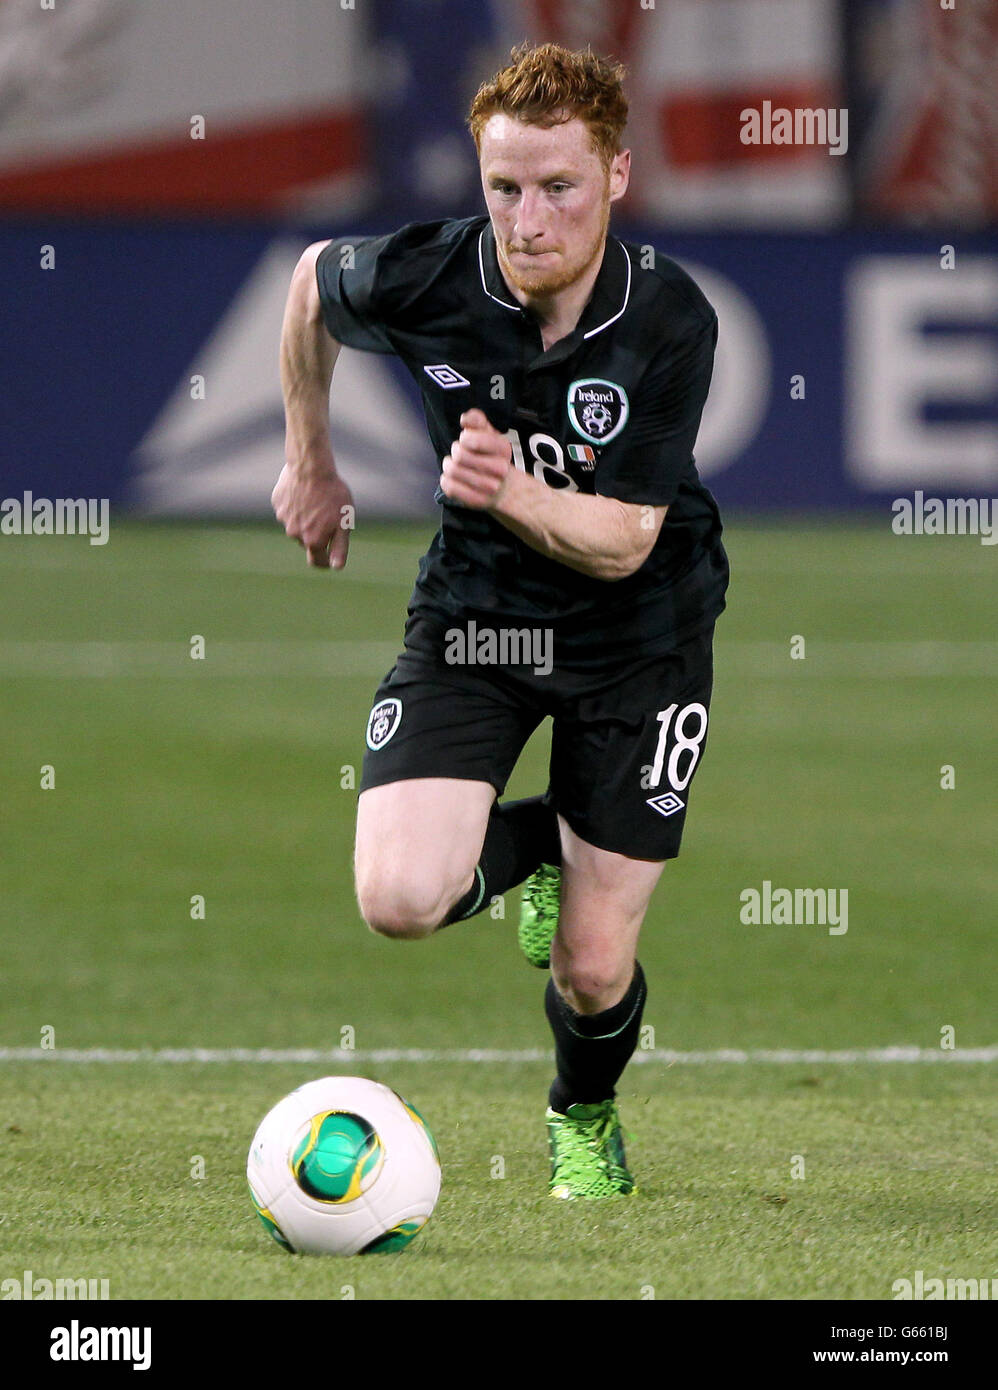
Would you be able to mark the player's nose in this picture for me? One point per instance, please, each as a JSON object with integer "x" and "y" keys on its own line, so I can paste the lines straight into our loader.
{"x": 529, "y": 221}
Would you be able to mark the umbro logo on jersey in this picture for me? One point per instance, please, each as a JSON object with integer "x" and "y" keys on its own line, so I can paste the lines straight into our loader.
{"x": 446, "y": 376}
{"x": 383, "y": 722}
{"x": 665, "y": 805}
{"x": 598, "y": 409}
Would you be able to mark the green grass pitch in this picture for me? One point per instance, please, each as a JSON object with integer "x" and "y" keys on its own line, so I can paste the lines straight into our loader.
{"x": 228, "y": 779}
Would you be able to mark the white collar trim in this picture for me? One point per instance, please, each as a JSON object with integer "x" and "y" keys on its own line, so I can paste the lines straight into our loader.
{"x": 506, "y": 305}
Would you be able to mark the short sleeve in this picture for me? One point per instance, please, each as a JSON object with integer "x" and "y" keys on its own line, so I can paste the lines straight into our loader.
{"x": 647, "y": 464}
{"x": 351, "y": 292}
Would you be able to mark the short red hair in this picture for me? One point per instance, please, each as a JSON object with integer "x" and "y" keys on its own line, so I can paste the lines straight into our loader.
{"x": 547, "y": 85}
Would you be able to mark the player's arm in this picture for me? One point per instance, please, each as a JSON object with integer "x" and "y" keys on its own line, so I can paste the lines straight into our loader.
{"x": 599, "y": 536}
{"x": 610, "y": 534}
{"x": 311, "y": 500}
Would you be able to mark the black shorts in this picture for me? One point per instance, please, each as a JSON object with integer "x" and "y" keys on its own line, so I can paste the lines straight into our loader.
{"x": 625, "y": 744}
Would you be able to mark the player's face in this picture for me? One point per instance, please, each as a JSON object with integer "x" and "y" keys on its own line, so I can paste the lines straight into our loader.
{"x": 549, "y": 197}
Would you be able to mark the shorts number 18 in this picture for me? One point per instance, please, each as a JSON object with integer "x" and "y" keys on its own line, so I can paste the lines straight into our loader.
{"x": 685, "y": 743}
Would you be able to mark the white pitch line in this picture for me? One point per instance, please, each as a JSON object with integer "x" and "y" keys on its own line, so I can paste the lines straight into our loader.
{"x": 266, "y": 660}
{"x": 837, "y": 660}
{"x": 487, "y": 1056}
{"x": 864, "y": 660}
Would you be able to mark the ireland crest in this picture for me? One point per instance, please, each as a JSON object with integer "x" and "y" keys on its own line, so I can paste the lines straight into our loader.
{"x": 597, "y": 409}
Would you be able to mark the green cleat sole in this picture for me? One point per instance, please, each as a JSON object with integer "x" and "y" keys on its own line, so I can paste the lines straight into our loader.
{"x": 539, "y": 911}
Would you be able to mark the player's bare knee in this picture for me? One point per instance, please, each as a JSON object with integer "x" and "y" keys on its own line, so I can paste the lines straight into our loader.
{"x": 400, "y": 926}
{"x": 403, "y": 909}
{"x": 396, "y": 919}
{"x": 590, "y": 986}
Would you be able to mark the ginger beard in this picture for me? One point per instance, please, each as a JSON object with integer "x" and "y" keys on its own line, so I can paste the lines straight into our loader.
{"x": 553, "y": 274}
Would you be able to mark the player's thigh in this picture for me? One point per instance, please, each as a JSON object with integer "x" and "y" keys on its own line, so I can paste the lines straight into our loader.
{"x": 604, "y": 898}
{"x": 418, "y": 840}
{"x": 441, "y": 744}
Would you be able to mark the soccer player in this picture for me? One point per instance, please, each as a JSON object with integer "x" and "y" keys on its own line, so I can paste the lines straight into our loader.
{"x": 577, "y": 572}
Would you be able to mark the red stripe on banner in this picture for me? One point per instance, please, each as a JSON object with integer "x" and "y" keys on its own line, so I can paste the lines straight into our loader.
{"x": 608, "y": 25}
{"x": 238, "y": 170}
{"x": 700, "y": 129}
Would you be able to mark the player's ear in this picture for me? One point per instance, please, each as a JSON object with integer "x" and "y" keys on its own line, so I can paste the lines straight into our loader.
{"x": 620, "y": 174}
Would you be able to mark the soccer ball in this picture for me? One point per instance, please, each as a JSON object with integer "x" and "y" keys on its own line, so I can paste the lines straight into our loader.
{"x": 343, "y": 1166}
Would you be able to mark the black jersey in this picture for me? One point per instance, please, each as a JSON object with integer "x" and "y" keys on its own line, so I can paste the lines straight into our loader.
{"x": 611, "y": 409}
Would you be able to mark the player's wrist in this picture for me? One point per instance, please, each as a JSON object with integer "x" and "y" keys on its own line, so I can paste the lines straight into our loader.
{"x": 509, "y": 498}
{"x": 308, "y": 456}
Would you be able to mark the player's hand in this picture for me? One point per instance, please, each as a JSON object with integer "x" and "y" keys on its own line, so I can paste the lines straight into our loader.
{"x": 315, "y": 507}
{"x": 478, "y": 467}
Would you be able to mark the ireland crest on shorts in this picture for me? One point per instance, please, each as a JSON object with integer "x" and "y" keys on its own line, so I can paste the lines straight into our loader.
{"x": 597, "y": 409}
{"x": 383, "y": 722}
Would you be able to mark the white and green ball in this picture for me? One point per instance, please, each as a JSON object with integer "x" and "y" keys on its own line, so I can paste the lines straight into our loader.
{"x": 343, "y": 1166}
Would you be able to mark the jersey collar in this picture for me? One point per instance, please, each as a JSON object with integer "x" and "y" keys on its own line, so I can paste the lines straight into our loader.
{"x": 607, "y": 302}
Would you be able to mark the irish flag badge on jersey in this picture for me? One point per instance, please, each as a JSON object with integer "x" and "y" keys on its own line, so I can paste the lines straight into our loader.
{"x": 583, "y": 454}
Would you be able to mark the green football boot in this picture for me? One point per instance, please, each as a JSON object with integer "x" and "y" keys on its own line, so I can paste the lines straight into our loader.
{"x": 539, "y": 910}
{"x": 587, "y": 1153}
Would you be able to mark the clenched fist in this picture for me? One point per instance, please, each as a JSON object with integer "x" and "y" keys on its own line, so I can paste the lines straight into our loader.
{"x": 315, "y": 507}
{"x": 477, "y": 469}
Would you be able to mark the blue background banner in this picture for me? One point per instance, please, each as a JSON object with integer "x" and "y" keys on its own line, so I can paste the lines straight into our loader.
{"x": 142, "y": 366}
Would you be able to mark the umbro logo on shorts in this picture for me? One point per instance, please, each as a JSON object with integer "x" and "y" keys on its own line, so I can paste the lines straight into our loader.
{"x": 383, "y": 722}
{"x": 446, "y": 376}
{"x": 665, "y": 805}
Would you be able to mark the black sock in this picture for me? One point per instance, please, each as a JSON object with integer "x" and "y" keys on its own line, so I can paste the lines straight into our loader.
{"x": 591, "y": 1050}
{"x": 521, "y": 836}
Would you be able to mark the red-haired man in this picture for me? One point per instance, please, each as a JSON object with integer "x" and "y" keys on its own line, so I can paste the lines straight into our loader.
{"x": 577, "y": 573}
